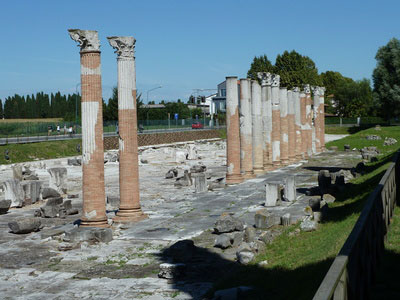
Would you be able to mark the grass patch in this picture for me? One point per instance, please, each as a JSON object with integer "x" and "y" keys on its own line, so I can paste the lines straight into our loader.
{"x": 358, "y": 140}
{"x": 42, "y": 150}
{"x": 386, "y": 285}
{"x": 297, "y": 263}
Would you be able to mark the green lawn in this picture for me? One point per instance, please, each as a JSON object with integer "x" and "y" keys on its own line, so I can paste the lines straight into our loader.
{"x": 42, "y": 150}
{"x": 298, "y": 263}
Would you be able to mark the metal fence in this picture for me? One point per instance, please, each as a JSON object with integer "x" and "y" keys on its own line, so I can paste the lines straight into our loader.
{"x": 352, "y": 272}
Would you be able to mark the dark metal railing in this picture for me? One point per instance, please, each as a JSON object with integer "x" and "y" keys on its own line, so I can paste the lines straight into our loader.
{"x": 352, "y": 272}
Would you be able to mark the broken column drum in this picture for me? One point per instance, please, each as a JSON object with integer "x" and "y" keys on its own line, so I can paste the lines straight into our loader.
{"x": 93, "y": 192}
{"x": 258, "y": 153}
{"x": 233, "y": 175}
{"x": 276, "y": 121}
{"x": 322, "y": 117}
{"x": 291, "y": 127}
{"x": 297, "y": 117}
{"x": 129, "y": 209}
{"x": 266, "y": 80}
{"x": 246, "y": 145}
{"x": 283, "y": 104}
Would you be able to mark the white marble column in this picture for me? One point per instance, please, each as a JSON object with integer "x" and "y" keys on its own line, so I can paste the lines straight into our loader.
{"x": 283, "y": 103}
{"x": 246, "y": 139}
{"x": 316, "y": 123}
{"x": 291, "y": 126}
{"x": 297, "y": 117}
{"x": 276, "y": 121}
{"x": 322, "y": 117}
{"x": 256, "y": 107}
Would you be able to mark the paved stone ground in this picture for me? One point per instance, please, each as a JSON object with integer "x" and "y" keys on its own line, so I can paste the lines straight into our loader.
{"x": 33, "y": 267}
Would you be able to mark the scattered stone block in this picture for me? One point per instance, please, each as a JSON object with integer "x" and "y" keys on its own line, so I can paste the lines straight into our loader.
{"x": 244, "y": 254}
{"x": 315, "y": 203}
{"x": 49, "y": 193}
{"x": 31, "y": 190}
{"x": 236, "y": 237}
{"x": 180, "y": 156}
{"x": 227, "y": 223}
{"x": 389, "y": 141}
{"x": 74, "y": 162}
{"x": 373, "y": 137}
{"x": 329, "y": 198}
{"x": 290, "y": 188}
{"x": 317, "y": 216}
{"x": 58, "y": 179}
{"x": 272, "y": 194}
{"x": 217, "y": 184}
{"x": 286, "y": 219}
{"x": 346, "y": 147}
{"x": 4, "y": 206}
{"x": 144, "y": 161}
{"x": 185, "y": 180}
{"x": 25, "y": 225}
{"x": 198, "y": 169}
{"x": 192, "y": 152}
{"x": 308, "y": 225}
{"x": 378, "y": 127}
{"x": 223, "y": 241}
{"x": 93, "y": 234}
{"x": 171, "y": 271}
{"x": 53, "y": 201}
{"x": 249, "y": 234}
{"x": 200, "y": 182}
{"x": 50, "y": 211}
{"x": 13, "y": 191}
{"x": 308, "y": 211}
{"x": 67, "y": 204}
{"x": 266, "y": 237}
{"x": 264, "y": 219}
{"x": 17, "y": 172}
{"x": 324, "y": 181}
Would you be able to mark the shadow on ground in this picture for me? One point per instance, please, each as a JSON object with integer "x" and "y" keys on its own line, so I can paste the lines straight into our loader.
{"x": 204, "y": 266}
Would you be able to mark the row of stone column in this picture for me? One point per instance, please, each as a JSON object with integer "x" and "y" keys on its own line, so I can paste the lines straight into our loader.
{"x": 93, "y": 190}
{"x": 269, "y": 126}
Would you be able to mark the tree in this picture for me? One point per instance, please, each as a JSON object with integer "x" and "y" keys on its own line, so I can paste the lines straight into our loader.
{"x": 259, "y": 64}
{"x": 296, "y": 70}
{"x": 386, "y": 77}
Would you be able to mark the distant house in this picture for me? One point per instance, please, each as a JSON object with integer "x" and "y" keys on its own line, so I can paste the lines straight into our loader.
{"x": 218, "y": 103}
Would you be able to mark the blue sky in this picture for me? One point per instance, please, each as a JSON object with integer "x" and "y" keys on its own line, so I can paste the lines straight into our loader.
{"x": 186, "y": 45}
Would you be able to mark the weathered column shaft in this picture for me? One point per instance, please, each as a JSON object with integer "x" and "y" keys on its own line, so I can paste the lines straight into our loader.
{"x": 276, "y": 121}
{"x": 291, "y": 126}
{"x": 297, "y": 112}
{"x": 246, "y": 138}
{"x": 129, "y": 209}
{"x": 283, "y": 98}
{"x": 233, "y": 133}
{"x": 93, "y": 191}
{"x": 256, "y": 107}
{"x": 316, "y": 127}
{"x": 303, "y": 114}
{"x": 322, "y": 117}
{"x": 309, "y": 119}
{"x": 266, "y": 118}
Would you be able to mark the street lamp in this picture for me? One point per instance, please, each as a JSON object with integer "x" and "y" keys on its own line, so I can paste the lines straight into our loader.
{"x": 159, "y": 87}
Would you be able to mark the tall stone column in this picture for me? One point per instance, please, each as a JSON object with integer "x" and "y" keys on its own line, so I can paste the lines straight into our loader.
{"x": 297, "y": 116}
{"x": 93, "y": 191}
{"x": 291, "y": 127}
{"x": 283, "y": 98}
{"x": 276, "y": 121}
{"x": 129, "y": 209}
{"x": 307, "y": 91}
{"x": 256, "y": 107}
{"x": 316, "y": 127}
{"x": 266, "y": 108}
{"x": 246, "y": 138}
{"x": 303, "y": 117}
{"x": 322, "y": 117}
{"x": 233, "y": 175}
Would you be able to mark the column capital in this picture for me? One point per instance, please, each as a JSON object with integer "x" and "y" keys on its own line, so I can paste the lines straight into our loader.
{"x": 315, "y": 90}
{"x": 265, "y": 77}
{"x": 296, "y": 89}
{"x": 322, "y": 91}
{"x": 88, "y": 39}
{"x": 124, "y": 45}
{"x": 275, "y": 80}
{"x": 306, "y": 88}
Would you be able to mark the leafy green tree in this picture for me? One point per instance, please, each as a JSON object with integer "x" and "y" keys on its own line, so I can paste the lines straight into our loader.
{"x": 259, "y": 64}
{"x": 296, "y": 70}
{"x": 386, "y": 78}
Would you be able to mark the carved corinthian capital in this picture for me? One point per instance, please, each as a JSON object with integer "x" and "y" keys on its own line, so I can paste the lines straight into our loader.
{"x": 322, "y": 91}
{"x": 296, "y": 89}
{"x": 275, "y": 79}
{"x": 88, "y": 39}
{"x": 315, "y": 90}
{"x": 124, "y": 45}
{"x": 306, "y": 88}
{"x": 265, "y": 77}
